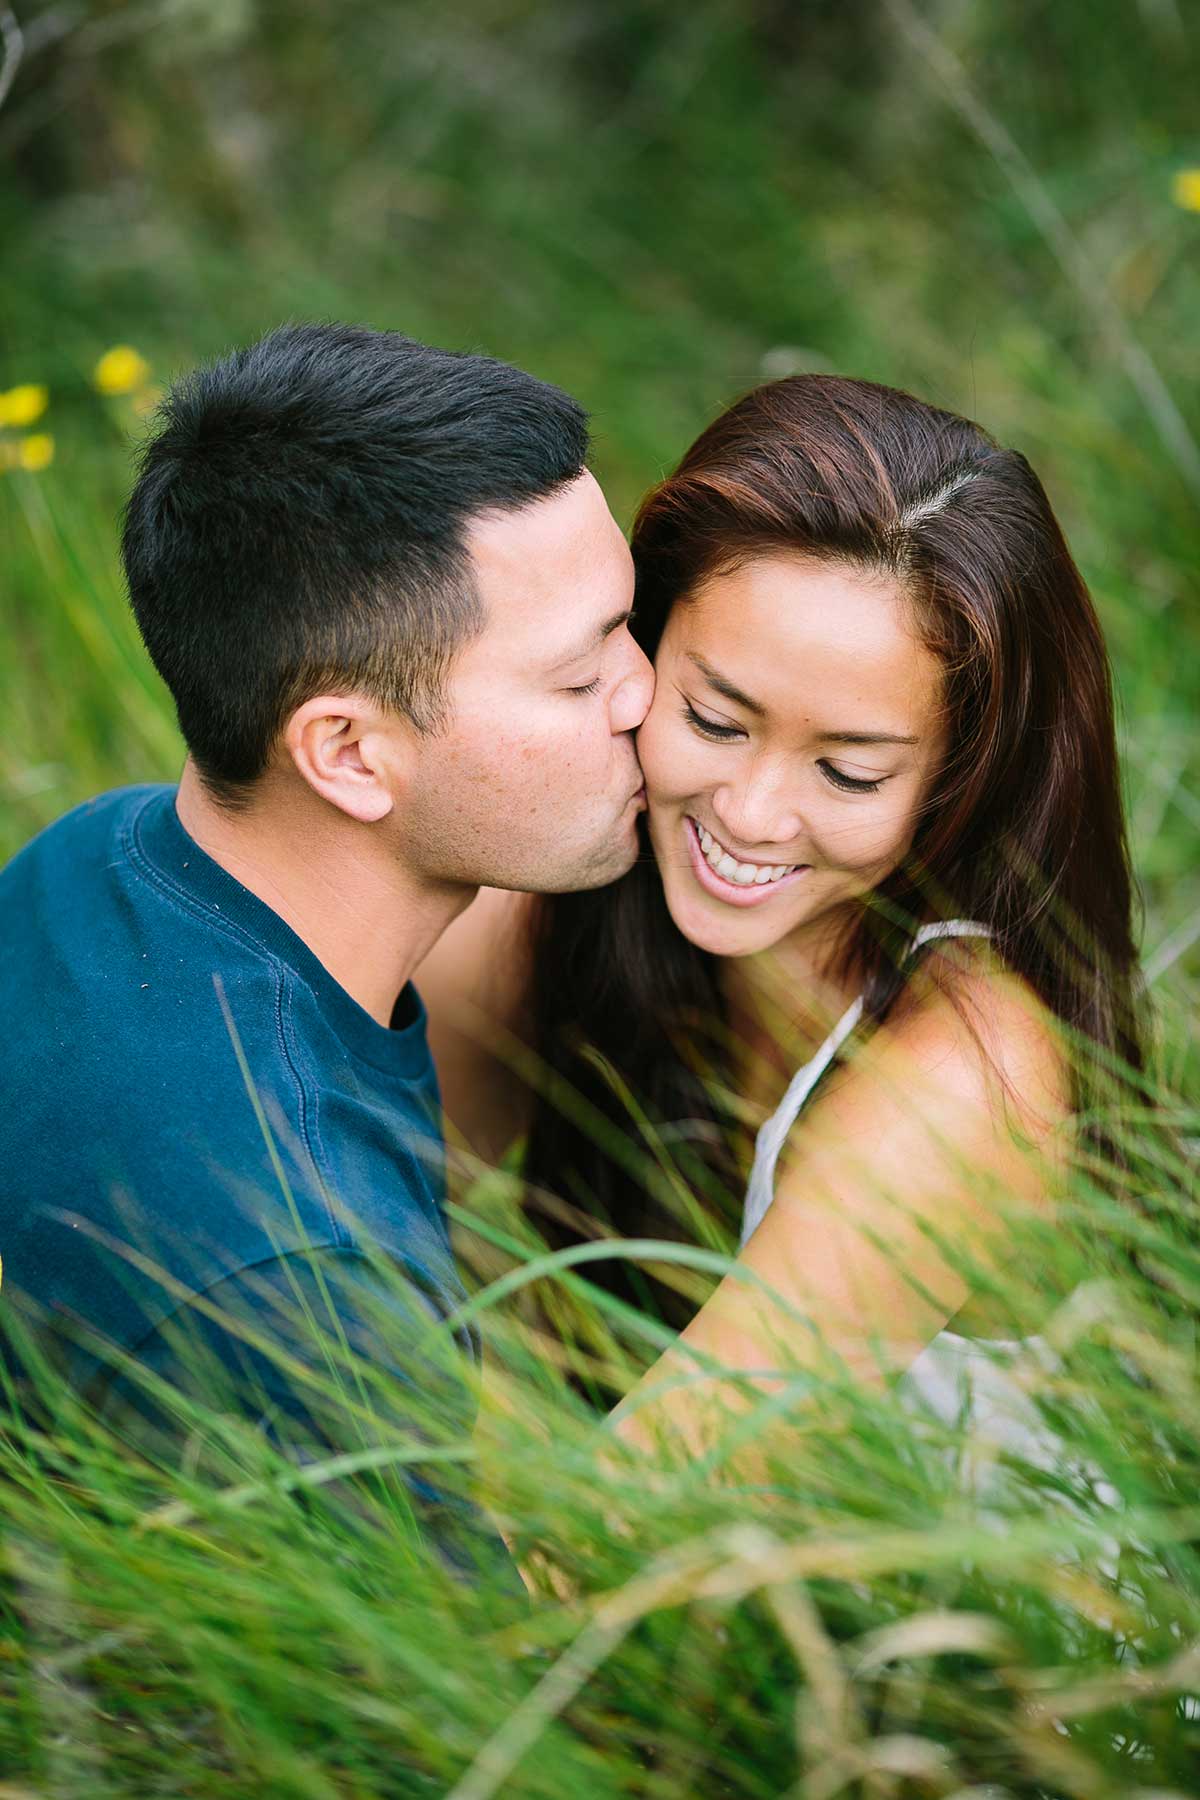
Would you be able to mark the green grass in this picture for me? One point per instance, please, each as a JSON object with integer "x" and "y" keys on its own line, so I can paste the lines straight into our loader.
{"x": 656, "y": 207}
{"x": 861, "y": 1617}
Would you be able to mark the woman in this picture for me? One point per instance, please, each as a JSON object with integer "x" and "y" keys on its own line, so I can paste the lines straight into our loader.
{"x": 883, "y": 806}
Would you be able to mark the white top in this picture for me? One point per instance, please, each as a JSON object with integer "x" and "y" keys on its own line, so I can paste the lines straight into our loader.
{"x": 760, "y": 1189}
{"x": 956, "y": 1379}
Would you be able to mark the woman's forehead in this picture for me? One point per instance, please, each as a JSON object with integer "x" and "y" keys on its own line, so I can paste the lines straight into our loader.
{"x": 793, "y": 633}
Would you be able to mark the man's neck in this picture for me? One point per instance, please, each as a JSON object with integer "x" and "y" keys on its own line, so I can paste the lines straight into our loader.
{"x": 336, "y": 882}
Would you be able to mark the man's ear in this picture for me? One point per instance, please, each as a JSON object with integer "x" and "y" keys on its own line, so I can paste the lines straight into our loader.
{"x": 350, "y": 753}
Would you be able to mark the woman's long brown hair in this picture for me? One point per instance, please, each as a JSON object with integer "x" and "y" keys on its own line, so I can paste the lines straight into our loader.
{"x": 1022, "y": 828}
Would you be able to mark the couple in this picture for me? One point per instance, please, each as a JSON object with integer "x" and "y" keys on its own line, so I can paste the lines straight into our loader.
{"x": 880, "y": 803}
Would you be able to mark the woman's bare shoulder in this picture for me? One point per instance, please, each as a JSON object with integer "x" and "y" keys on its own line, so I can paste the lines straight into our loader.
{"x": 483, "y": 960}
{"x": 981, "y": 1034}
{"x": 476, "y": 985}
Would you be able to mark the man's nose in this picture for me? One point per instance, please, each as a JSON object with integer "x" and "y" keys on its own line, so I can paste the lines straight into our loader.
{"x": 634, "y": 692}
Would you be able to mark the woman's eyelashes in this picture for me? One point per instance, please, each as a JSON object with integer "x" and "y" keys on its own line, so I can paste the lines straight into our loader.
{"x": 727, "y": 734}
{"x": 850, "y": 784}
{"x": 709, "y": 728}
{"x": 587, "y": 687}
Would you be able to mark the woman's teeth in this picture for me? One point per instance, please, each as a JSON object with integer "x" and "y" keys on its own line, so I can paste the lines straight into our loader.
{"x": 744, "y": 874}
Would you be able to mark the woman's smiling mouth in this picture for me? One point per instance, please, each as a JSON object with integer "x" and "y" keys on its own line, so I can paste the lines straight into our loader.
{"x": 728, "y": 878}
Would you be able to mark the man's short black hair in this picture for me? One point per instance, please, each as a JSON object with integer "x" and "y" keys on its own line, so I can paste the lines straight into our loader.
{"x": 298, "y": 525}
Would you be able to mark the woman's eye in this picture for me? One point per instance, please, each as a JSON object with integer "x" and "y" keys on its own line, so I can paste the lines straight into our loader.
{"x": 849, "y": 784}
{"x": 722, "y": 734}
{"x": 589, "y": 687}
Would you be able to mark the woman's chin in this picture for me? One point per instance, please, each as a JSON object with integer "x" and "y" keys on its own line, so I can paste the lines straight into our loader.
{"x": 737, "y": 934}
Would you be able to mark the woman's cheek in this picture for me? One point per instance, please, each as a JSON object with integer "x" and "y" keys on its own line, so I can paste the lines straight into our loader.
{"x": 873, "y": 846}
{"x": 664, "y": 758}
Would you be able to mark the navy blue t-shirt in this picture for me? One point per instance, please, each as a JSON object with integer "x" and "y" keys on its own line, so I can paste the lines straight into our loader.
{"x": 194, "y": 1107}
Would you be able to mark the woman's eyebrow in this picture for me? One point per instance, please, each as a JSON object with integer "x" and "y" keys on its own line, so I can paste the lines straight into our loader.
{"x": 866, "y": 737}
{"x": 726, "y": 687}
{"x": 722, "y": 685}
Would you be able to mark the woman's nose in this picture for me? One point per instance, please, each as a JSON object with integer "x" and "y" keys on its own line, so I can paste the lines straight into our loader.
{"x": 758, "y": 811}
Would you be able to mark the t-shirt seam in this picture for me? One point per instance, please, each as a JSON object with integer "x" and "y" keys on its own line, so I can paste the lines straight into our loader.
{"x": 309, "y": 1101}
{"x": 175, "y": 894}
{"x": 172, "y": 893}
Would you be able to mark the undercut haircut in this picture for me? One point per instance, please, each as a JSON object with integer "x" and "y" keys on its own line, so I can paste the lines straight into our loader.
{"x": 298, "y": 526}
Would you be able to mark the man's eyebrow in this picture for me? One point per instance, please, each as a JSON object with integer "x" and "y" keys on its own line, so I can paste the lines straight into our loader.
{"x": 726, "y": 687}
{"x": 597, "y": 638}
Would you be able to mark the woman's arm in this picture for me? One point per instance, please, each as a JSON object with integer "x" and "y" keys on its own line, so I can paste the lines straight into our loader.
{"x": 941, "y": 1129}
{"x": 475, "y": 984}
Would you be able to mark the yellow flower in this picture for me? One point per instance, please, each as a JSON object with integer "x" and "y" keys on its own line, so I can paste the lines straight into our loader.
{"x": 120, "y": 370}
{"x": 1185, "y": 189}
{"x": 36, "y": 452}
{"x": 22, "y": 405}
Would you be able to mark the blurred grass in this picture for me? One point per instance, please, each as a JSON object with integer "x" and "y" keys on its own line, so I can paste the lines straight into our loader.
{"x": 657, "y": 207}
{"x": 869, "y": 1618}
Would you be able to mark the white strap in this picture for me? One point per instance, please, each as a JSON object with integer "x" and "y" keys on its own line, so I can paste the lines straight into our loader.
{"x": 947, "y": 928}
{"x": 773, "y": 1134}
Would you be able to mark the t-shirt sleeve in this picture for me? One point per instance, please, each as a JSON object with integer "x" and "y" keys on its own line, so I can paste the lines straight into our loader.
{"x": 323, "y": 1353}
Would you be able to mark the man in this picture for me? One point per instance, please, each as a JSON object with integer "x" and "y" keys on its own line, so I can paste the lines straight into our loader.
{"x": 390, "y": 604}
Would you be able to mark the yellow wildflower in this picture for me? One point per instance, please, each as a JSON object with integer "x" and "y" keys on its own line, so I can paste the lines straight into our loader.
{"x": 35, "y": 452}
{"x": 120, "y": 370}
{"x": 22, "y": 405}
{"x": 1185, "y": 189}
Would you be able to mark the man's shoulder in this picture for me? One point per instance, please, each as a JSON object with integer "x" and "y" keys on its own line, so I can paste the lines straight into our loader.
{"x": 112, "y": 991}
{"x": 102, "y": 811}
{"x": 92, "y": 826}
{"x": 94, "y": 930}
{"x": 158, "y": 1040}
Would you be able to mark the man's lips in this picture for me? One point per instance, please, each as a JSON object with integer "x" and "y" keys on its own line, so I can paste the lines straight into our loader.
{"x": 731, "y": 892}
